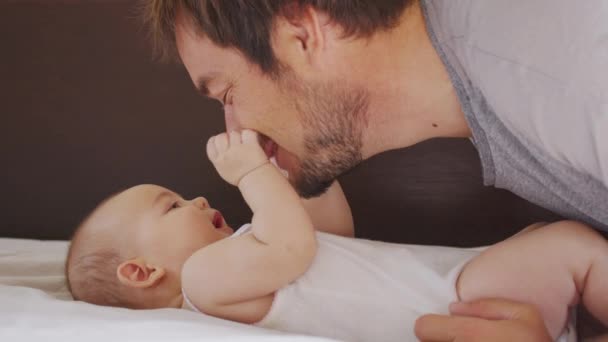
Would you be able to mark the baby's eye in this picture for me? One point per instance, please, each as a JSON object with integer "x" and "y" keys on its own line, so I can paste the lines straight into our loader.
{"x": 175, "y": 205}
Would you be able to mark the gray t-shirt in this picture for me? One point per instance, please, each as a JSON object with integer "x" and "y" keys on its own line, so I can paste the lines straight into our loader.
{"x": 532, "y": 78}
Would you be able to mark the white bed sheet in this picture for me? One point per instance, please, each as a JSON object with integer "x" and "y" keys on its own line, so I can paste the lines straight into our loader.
{"x": 35, "y": 305}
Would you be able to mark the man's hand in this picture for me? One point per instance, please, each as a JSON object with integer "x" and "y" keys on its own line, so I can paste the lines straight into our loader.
{"x": 236, "y": 154}
{"x": 483, "y": 320}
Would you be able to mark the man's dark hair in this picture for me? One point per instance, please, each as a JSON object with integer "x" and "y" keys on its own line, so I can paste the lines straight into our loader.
{"x": 247, "y": 24}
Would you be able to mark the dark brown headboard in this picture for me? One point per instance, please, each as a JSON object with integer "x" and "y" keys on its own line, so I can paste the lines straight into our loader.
{"x": 86, "y": 112}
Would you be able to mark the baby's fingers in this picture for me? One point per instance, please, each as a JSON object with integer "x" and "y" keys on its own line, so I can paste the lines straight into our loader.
{"x": 211, "y": 150}
{"x": 235, "y": 138}
{"x": 249, "y": 136}
{"x": 221, "y": 142}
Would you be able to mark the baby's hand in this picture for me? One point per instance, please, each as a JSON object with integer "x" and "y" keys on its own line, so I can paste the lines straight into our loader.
{"x": 236, "y": 154}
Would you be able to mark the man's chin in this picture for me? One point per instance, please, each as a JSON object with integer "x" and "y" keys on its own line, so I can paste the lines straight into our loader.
{"x": 309, "y": 178}
{"x": 310, "y": 189}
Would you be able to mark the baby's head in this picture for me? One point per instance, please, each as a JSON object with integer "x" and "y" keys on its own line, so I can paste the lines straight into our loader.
{"x": 130, "y": 250}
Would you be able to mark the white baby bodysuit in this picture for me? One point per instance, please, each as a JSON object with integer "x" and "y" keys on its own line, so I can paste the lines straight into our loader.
{"x": 362, "y": 290}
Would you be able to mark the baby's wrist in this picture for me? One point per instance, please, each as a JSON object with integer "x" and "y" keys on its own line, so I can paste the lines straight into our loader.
{"x": 253, "y": 171}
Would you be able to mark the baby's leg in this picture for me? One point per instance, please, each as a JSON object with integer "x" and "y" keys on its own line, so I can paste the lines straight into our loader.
{"x": 594, "y": 285}
{"x": 549, "y": 267}
{"x": 530, "y": 228}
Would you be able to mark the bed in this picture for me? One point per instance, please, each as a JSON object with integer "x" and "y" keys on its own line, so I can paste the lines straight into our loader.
{"x": 87, "y": 111}
{"x": 36, "y": 305}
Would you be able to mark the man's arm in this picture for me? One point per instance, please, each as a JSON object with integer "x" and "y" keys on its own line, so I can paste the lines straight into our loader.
{"x": 330, "y": 212}
{"x": 496, "y": 320}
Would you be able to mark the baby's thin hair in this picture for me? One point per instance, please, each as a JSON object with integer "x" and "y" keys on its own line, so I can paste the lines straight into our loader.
{"x": 91, "y": 274}
{"x": 92, "y": 278}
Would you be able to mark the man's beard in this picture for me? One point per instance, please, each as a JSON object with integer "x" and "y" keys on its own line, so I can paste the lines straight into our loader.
{"x": 333, "y": 117}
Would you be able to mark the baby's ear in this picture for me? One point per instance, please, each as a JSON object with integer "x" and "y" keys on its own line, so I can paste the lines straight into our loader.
{"x": 136, "y": 273}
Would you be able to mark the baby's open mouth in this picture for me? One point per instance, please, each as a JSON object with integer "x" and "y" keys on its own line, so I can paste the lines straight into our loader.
{"x": 218, "y": 220}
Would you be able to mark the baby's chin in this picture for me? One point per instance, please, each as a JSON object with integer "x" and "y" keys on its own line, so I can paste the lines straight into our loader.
{"x": 226, "y": 230}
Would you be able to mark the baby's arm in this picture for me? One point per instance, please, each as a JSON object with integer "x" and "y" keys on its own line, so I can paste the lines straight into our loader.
{"x": 552, "y": 267}
{"x": 251, "y": 267}
{"x": 330, "y": 212}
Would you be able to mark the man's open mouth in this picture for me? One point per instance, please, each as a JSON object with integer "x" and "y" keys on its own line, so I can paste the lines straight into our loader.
{"x": 271, "y": 149}
{"x": 269, "y": 146}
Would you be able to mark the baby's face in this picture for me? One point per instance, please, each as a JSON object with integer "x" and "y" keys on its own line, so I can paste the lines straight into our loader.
{"x": 164, "y": 228}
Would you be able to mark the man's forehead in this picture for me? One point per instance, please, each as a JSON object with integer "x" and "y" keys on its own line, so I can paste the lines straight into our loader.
{"x": 204, "y": 59}
{"x": 201, "y": 59}
{"x": 187, "y": 35}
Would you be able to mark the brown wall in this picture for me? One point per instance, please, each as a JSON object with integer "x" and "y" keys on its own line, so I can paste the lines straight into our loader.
{"x": 86, "y": 112}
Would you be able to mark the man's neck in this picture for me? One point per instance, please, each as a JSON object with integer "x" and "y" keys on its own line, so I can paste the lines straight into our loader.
{"x": 412, "y": 97}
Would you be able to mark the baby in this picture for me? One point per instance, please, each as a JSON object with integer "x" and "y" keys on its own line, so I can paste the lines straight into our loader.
{"x": 148, "y": 248}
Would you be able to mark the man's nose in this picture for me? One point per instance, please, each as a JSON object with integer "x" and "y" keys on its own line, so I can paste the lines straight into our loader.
{"x": 200, "y": 202}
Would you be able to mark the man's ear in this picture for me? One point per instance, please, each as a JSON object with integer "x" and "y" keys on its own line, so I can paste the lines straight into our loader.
{"x": 136, "y": 273}
{"x": 300, "y": 35}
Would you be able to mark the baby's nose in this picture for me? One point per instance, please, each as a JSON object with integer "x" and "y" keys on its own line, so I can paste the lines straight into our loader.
{"x": 200, "y": 202}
